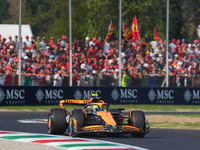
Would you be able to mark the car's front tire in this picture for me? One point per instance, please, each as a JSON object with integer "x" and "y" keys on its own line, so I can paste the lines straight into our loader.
{"x": 57, "y": 121}
{"x": 137, "y": 119}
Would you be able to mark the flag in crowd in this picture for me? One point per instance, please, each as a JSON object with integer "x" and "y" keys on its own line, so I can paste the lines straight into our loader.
{"x": 135, "y": 29}
{"x": 110, "y": 30}
{"x": 126, "y": 31}
{"x": 156, "y": 36}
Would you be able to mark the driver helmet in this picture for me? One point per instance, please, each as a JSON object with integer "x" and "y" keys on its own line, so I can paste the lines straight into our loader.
{"x": 95, "y": 108}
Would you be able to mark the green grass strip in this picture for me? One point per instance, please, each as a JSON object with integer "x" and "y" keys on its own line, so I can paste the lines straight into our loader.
{"x": 80, "y": 145}
{"x": 23, "y": 137}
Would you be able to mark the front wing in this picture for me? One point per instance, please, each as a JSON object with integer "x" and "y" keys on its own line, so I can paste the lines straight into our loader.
{"x": 111, "y": 129}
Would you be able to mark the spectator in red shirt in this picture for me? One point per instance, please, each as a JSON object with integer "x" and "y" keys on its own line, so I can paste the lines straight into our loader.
{"x": 58, "y": 43}
{"x": 111, "y": 52}
{"x": 8, "y": 78}
{"x": 52, "y": 44}
{"x": 175, "y": 51}
{"x": 147, "y": 57}
{"x": 4, "y": 53}
{"x": 43, "y": 76}
{"x": 115, "y": 65}
{"x": 98, "y": 43}
{"x": 178, "y": 43}
{"x": 180, "y": 53}
{"x": 92, "y": 51}
{"x": 3, "y": 42}
{"x": 67, "y": 49}
{"x": 75, "y": 78}
{"x": 101, "y": 65}
{"x": 95, "y": 64}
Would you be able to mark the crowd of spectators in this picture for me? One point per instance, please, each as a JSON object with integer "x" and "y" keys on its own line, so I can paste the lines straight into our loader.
{"x": 95, "y": 62}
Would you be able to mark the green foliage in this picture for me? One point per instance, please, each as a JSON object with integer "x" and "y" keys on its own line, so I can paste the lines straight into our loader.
{"x": 92, "y": 17}
{"x": 4, "y": 10}
{"x": 149, "y": 14}
{"x": 99, "y": 16}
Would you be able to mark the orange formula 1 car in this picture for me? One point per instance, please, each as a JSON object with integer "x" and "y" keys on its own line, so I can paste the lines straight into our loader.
{"x": 95, "y": 117}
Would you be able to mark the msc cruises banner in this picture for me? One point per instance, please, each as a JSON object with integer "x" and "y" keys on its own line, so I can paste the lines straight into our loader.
{"x": 46, "y": 95}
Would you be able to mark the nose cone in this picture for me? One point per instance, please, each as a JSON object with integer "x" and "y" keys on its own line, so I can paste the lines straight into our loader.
{"x": 107, "y": 117}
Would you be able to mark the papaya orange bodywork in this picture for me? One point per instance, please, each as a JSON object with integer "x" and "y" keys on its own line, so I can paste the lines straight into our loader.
{"x": 129, "y": 128}
{"x": 84, "y": 112}
{"x": 93, "y": 128}
{"x": 75, "y": 124}
{"x": 107, "y": 117}
{"x": 131, "y": 111}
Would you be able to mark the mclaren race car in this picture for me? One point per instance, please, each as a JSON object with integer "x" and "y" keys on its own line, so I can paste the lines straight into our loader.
{"x": 95, "y": 117}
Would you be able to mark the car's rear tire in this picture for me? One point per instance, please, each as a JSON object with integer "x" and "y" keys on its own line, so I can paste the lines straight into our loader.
{"x": 76, "y": 122}
{"x": 57, "y": 121}
{"x": 137, "y": 119}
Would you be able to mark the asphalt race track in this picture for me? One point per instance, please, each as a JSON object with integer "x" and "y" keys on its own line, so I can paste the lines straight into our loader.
{"x": 157, "y": 139}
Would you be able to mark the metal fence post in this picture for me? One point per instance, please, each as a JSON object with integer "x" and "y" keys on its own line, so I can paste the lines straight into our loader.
{"x": 20, "y": 41}
{"x": 120, "y": 39}
{"x": 70, "y": 41}
{"x": 167, "y": 46}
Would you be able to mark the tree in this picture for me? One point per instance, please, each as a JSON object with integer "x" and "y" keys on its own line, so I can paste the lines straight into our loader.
{"x": 4, "y": 15}
{"x": 92, "y": 17}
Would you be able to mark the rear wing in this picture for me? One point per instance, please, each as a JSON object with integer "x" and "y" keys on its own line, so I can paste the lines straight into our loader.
{"x": 79, "y": 102}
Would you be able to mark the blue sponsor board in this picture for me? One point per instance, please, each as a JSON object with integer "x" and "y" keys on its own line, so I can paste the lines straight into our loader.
{"x": 46, "y": 95}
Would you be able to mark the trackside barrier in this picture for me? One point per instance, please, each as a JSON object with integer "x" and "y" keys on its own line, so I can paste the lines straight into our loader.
{"x": 48, "y": 95}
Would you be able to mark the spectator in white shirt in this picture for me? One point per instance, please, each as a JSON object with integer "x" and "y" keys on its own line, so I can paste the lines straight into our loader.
{"x": 197, "y": 50}
{"x": 23, "y": 53}
{"x": 63, "y": 42}
{"x": 33, "y": 51}
{"x": 172, "y": 45}
{"x": 190, "y": 50}
{"x": 157, "y": 49}
{"x": 27, "y": 43}
{"x": 43, "y": 45}
{"x": 92, "y": 42}
{"x": 89, "y": 66}
{"x": 2, "y": 76}
{"x": 16, "y": 43}
{"x": 57, "y": 79}
{"x": 83, "y": 65}
{"x": 106, "y": 47}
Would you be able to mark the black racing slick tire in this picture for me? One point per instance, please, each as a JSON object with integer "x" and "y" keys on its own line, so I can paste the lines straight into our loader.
{"x": 57, "y": 121}
{"x": 137, "y": 119}
{"x": 76, "y": 122}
